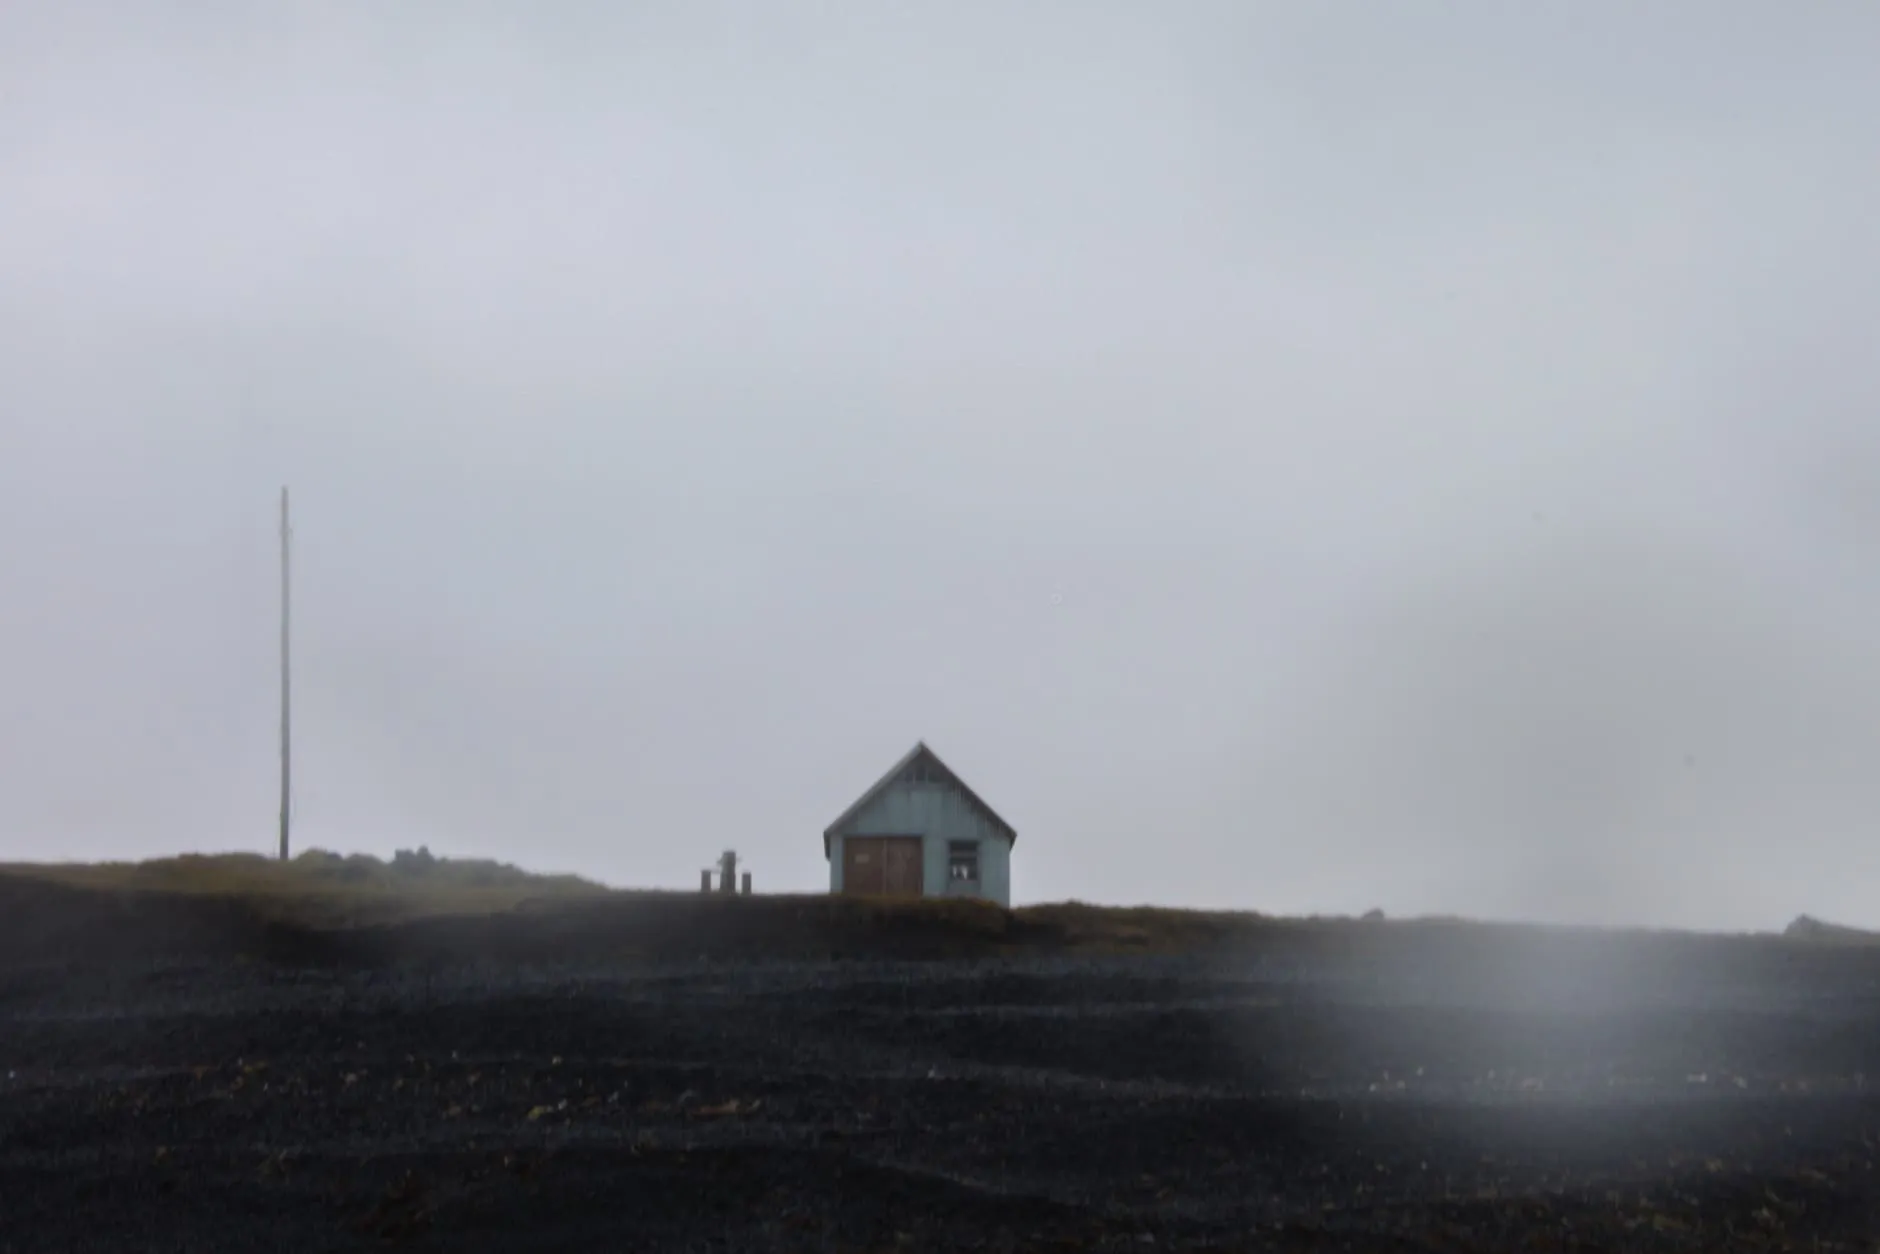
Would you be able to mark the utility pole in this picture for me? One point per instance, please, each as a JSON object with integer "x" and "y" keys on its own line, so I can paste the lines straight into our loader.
{"x": 286, "y": 721}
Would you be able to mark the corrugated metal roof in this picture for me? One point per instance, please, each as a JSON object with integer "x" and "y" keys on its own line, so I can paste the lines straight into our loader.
{"x": 894, "y": 772}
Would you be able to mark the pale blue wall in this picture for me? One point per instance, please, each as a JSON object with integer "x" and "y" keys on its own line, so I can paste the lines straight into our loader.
{"x": 995, "y": 870}
{"x": 937, "y": 813}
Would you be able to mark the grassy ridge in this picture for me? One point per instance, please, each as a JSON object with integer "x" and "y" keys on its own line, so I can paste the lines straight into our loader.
{"x": 324, "y": 889}
{"x": 359, "y": 908}
{"x": 327, "y": 890}
{"x": 322, "y": 907}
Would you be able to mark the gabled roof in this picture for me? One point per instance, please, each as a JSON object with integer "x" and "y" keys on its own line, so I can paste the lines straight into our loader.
{"x": 881, "y": 785}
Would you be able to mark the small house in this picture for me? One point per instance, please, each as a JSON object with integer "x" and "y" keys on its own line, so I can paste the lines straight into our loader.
{"x": 920, "y": 832}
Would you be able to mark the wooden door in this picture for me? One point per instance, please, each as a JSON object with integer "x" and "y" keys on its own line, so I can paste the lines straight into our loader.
{"x": 902, "y": 867}
{"x": 881, "y": 866}
{"x": 862, "y": 867}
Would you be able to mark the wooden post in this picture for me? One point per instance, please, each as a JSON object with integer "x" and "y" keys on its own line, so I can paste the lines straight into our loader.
{"x": 286, "y": 690}
{"x": 747, "y": 884}
{"x": 705, "y": 881}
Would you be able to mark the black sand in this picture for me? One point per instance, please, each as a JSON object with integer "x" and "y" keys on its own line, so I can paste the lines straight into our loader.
{"x": 174, "y": 1078}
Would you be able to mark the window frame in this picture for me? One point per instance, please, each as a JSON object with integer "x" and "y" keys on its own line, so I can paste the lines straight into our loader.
{"x": 963, "y": 853}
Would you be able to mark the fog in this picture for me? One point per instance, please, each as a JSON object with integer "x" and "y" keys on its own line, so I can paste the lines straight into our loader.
{"x": 1284, "y": 456}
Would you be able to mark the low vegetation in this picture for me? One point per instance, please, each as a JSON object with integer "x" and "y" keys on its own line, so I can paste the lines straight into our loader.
{"x": 327, "y": 889}
{"x": 358, "y": 908}
{"x": 326, "y": 907}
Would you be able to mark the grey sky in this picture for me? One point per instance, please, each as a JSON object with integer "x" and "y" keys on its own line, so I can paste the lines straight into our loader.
{"x": 1299, "y": 457}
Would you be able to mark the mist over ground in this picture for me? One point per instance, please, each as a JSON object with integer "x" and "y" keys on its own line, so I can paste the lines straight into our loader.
{"x": 1281, "y": 459}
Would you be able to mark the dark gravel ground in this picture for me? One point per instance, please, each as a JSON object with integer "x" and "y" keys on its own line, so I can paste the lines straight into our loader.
{"x": 1575, "y": 1096}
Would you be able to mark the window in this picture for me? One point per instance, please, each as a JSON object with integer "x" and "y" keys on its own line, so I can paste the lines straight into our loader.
{"x": 963, "y": 861}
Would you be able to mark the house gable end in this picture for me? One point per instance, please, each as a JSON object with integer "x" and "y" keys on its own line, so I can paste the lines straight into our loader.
{"x": 920, "y": 766}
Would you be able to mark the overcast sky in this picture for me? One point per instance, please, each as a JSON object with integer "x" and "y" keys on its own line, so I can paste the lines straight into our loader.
{"x": 1301, "y": 457}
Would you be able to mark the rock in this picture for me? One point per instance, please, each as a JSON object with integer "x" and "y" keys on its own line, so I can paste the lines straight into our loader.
{"x": 1807, "y": 927}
